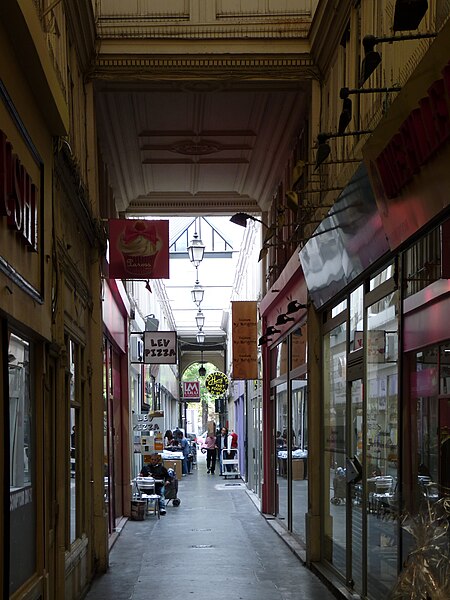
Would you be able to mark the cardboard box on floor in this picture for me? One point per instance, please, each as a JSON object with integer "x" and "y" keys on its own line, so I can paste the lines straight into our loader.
{"x": 175, "y": 464}
{"x": 298, "y": 469}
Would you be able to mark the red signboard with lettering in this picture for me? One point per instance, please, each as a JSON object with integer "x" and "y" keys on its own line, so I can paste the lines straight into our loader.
{"x": 410, "y": 174}
{"x": 191, "y": 391}
{"x": 18, "y": 196}
{"x": 138, "y": 249}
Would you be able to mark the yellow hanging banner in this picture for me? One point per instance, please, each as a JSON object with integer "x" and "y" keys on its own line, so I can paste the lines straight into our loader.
{"x": 244, "y": 334}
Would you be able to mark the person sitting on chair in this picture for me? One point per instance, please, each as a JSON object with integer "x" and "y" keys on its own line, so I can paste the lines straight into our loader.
{"x": 159, "y": 472}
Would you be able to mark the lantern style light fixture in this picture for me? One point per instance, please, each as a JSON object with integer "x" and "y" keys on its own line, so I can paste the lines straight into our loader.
{"x": 197, "y": 293}
{"x": 196, "y": 249}
{"x": 200, "y": 336}
{"x": 200, "y": 319}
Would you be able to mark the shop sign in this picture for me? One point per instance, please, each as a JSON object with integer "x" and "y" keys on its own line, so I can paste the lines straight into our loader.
{"x": 216, "y": 383}
{"x": 146, "y": 423}
{"x": 420, "y": 136}
{"x": 138, "y": 249}
{"x": 191, "y": 391}
{"x": 244, "y": 335}
{"x": 160, "y": 347}
{"x": 18, "y": 196}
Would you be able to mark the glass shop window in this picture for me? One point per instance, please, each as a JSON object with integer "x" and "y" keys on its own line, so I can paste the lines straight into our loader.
{"x": 279, "y": 360}
{"x": 298, "y": 347}
{"x": 385, "y": 275}
{"x": 356, "y": 318}
{"x": 337, "y": 310}
{"x": 423, "y": 263}
{"x": 22, "y": 545}
{"x": 75, "y": 392}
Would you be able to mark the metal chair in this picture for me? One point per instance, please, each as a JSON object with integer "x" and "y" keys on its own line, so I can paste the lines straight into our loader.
{"x": 147, "y": 491}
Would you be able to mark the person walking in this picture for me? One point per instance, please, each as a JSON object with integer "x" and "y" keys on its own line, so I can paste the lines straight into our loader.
{"x": 211, "y": 451}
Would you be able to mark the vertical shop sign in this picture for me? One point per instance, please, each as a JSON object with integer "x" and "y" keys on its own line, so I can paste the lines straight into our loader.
{"x": 245, "y": 357}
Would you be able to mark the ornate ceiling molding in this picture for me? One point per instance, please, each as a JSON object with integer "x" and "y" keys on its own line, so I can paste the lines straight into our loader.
{"x": 169, "y": 204}
{"x": 250, "y": 67}
{"x": 245, "y": 27}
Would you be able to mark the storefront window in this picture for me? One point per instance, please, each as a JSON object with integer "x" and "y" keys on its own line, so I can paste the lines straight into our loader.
{"x": 279, "y": 360}
{"x": 22, "y": 548}
{"x": 445, "y": 370}
{"x": 299, "y": 456}
{"x": 339, "y": 308}
{"x": 291, "y": 437}
{"x": 334, "y": 484}
{"x": 75, "y": 391}
{"x": 282, "y": 448}
{"x": 105, "y": 426}
{"x": 382, "y": 451}
{"x": 298, "y": 345}
{"x": 356, "y": 318}
{"x": 423, "y": 263}
{"x": 386, "y": 274}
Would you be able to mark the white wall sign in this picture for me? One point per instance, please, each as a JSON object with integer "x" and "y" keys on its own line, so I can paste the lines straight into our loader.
{"x": 160, "y": 347}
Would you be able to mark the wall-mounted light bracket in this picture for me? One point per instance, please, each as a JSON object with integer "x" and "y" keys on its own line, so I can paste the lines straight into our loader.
{"x": 347, "y": 111}
{"x": 323, "y": 148}
{"x": 242, "y": 218}
{"x": 372, "y": 58}
{"x": 345, "y": 91}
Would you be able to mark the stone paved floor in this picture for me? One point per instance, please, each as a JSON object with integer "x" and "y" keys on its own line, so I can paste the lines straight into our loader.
{"x": 215, "y": 544}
